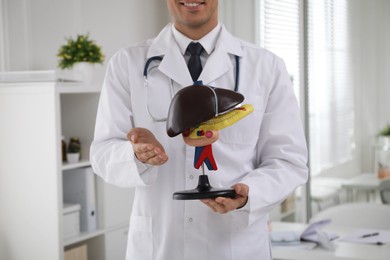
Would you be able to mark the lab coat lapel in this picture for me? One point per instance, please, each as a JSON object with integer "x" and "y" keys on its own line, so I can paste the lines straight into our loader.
{"x": 173, "y": 64}
{"x": 217, "y": 65}
{"x": 220, "y": 61}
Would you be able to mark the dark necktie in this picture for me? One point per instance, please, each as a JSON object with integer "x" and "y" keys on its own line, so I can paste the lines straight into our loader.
{"x": 194, "y": 64}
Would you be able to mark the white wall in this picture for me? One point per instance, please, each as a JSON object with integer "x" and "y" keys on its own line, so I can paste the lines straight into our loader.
{"x": 384, "y": 94}
{"x": 371, "y": 41}
{"x": 37, "y": 28}
{"x": 2, "y": 35}
{"x": 240, "y": 17}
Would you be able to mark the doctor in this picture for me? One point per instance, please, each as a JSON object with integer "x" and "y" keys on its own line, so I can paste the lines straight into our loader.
{"x": 263, "y": 156}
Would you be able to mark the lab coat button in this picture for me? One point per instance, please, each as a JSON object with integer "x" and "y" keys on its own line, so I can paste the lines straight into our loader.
{"x": 191, "y": 176}
{"x": 190, "y": 220}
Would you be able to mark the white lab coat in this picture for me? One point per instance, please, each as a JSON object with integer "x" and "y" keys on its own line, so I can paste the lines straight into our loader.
{"x": 266, "y": 150}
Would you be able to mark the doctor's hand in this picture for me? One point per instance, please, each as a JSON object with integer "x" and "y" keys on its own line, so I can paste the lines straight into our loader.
{"x": 224, "y": 205}
{"x": 146, "y": 147}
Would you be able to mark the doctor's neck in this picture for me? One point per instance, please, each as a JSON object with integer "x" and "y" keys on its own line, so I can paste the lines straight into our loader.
{"x": 195, "y": 32}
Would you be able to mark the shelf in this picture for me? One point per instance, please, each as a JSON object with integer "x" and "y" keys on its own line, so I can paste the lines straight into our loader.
{"x": 50, "y": 110}
{"x": 27, "y": 76}
{"x": 77, "y": 87}
{"x": 58, "y": 87}
{"x": 70, "y": 166}
{"x": 83, "y": 236}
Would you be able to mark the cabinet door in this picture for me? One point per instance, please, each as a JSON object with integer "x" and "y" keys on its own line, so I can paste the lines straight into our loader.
{"x": 116, "y": 243}
{"x": 114, "y": 204}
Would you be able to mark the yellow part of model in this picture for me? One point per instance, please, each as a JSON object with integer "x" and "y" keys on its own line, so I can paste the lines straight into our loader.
{"x": 221, "y": 121}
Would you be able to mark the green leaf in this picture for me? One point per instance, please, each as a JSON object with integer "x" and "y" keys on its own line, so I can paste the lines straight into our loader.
{"x": 77, "y": 50}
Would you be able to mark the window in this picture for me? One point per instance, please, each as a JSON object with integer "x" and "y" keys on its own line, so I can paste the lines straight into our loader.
{"x": 330, "y": 91}
{"x": 330, "y": 94}
{"x": 280, "y": 33}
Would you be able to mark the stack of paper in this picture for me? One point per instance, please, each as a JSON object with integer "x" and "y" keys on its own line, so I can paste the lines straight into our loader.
{"x": 285, "y": 238}
{"x": 313, "y": 233}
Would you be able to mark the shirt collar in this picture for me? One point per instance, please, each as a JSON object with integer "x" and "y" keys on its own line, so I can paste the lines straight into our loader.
{"x": 208, "y": 41}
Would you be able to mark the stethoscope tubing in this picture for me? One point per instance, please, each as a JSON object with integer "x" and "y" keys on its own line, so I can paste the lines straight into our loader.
{"x": 159, "y": 58}
{"x": 147, "y": 64}
{"x": 237, "y": 73}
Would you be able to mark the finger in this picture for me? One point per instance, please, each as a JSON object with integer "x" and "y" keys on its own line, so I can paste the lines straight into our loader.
{"x": 219, "y": 207}
{"x": 139, "y": 134}
{"x": 143, "y": 151}
{"x": 227, "y": 204}
{"x": 145, "y": 157}
{"x": 133, "y": 135}
{"x": 238, "y": 202}
{"x": 145, "y": 154}
{"x": 132, "y": 138}
{"x": 153, "y": 156}
{"x": 207, "y": 203}
{"x": 158, "y": 159}
{"x": 241, "y": 189}
{"x": 143, "y": 148}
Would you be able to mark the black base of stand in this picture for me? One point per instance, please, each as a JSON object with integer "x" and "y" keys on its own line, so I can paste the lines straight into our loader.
{"x": 203, "y": 191}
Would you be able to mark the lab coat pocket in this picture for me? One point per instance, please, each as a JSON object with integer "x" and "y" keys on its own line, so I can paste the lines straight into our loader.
{"x": 249, "y": 241}
{"x": 246, "y": 131}
{"x": 140, "y": 240}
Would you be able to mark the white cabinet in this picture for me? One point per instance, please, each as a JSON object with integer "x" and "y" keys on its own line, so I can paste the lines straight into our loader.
{"x": 116, "y": 243}
{"x": 33, "y": 117}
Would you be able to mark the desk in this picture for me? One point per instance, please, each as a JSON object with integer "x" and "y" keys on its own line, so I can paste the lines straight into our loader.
{"x": 343, "y": 250}
{"x": 366, "y": 182}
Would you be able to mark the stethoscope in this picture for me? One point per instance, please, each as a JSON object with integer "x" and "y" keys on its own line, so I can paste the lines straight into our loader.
{"x": 147, "y": 68}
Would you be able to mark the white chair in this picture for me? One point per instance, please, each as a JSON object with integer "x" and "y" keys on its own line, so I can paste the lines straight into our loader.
{"x": 357, "y": 215}
{"x": 324, "y": 192}
{"x": 384, "y": 190}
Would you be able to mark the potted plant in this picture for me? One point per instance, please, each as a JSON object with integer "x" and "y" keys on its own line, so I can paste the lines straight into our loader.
{"x": 77, "y": 57}
{"x": 74, "y": 149}
{"x": 385, "y": 131}
{"x": 382, "y": 153}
